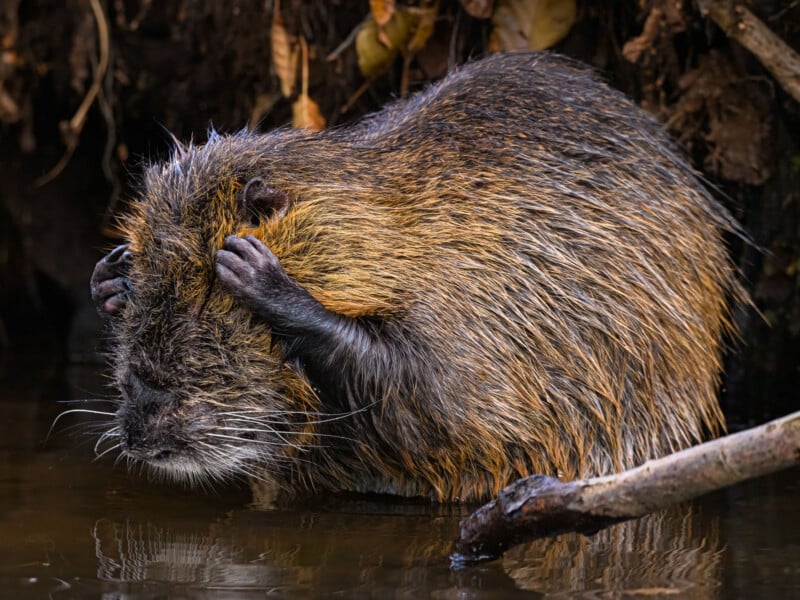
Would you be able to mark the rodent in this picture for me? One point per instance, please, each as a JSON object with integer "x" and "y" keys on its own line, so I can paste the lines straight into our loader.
{"x": 510, "y": 272}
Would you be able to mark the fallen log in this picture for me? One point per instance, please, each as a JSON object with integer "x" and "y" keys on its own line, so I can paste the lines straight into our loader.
{"x": 541, "y": 506}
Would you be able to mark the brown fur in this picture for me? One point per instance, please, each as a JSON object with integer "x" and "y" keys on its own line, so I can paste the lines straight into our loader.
{"x": 551, "y": 271}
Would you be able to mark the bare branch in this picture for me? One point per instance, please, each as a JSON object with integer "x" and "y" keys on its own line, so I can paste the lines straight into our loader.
{"x": 542, "y": 506}
{"x": 743, "y": 26}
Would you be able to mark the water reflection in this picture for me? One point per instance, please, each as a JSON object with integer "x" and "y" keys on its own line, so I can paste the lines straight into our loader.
{"x": 677, "y": 552}
{"x": 673, "y": 553}
{"x": 70, "y": 528}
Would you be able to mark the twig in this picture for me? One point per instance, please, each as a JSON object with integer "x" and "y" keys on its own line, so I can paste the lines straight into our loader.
{"x": 356, "y": 95}
{"x": 777, "y": 56}
{"x": 542, "y": 506}
{"x": 346, "y": 43}
{"x": 71, "y": 130}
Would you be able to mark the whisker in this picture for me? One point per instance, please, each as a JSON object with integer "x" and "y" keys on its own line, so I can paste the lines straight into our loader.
{"x": 87, "y": 400}
{"x": 111, "y": 433}
{"x": 76, "y": 410}
{"x": 83, "y": 428}
{"x": 106, "y": 451}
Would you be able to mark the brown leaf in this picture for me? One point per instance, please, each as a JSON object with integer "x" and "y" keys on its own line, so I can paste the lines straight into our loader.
{"x": 382, "y": 11}
{"x": 426, "y": 19}
{"x": 306, "y": 114}
{"x": 284, "y": 53}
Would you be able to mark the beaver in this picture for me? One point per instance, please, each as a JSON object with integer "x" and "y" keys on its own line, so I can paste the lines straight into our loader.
{"x": 511, "y": 272}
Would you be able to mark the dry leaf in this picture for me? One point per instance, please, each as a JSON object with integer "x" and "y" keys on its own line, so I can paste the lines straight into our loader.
{"x": 426, "y": 19}
{"x": 306, "y": 114}
{"x": 284, "y": 53}
{"x": 383, "y": 38}
{"x": 375, "y": 55}
{"x": 511, "y": 25}
{"x": 530, "y": 24}
{"x": 382, "y": 11}
{"x": 550, "y": 22}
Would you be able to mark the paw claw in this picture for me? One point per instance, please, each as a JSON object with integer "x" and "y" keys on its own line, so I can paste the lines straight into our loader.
{"x": 118, "y": 253}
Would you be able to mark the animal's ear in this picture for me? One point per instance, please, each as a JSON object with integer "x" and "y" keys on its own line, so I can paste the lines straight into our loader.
{"x": 259, "y": 203}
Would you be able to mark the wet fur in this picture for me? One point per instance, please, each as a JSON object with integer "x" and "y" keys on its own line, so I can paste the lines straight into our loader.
{"x": 539, "y": 280}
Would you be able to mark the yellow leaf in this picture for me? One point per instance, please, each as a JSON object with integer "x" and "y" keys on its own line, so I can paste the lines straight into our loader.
{"x": 550, "y": 22}
{"x": 374, "y": 55}
{"x": 530, "y": 24}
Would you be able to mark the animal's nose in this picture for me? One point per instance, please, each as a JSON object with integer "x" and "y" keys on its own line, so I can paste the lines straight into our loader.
{"x": 149, "y": 398}
{"x": 144, "y": 418}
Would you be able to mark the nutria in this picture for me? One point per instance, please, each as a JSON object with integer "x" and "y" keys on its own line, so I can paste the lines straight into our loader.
{"x": 511, "y": 272}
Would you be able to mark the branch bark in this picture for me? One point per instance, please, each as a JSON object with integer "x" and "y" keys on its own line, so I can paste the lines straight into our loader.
{"x": 743, "y": 26}
{"x": 541, "y": 506}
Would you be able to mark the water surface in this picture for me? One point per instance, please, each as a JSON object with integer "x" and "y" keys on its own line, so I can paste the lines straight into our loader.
{"x": 71, "y": 527}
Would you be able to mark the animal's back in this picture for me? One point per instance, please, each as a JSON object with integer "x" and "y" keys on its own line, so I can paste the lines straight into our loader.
{"x": 549, "y": 273}
{"x": 556, "y": 271}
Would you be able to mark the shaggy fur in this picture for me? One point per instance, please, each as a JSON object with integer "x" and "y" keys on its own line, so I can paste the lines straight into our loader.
{"x": 545, "y": 277}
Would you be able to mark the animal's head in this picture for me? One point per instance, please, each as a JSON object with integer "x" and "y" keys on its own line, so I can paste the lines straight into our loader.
{"x": 203, "y": 392}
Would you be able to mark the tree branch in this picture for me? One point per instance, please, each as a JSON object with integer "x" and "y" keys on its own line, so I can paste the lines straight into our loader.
{"x": 541, "y": 506}
{"x": 743, "y": 26}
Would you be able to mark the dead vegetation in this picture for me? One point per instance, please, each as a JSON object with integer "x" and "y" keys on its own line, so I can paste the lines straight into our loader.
{"x": 106, "y": 56}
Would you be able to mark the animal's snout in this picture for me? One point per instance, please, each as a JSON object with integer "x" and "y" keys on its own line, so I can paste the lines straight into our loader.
{"x": 148, "y": 428}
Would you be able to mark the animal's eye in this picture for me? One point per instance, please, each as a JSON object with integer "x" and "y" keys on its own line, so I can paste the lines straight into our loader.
{"x": 259, "y": 203}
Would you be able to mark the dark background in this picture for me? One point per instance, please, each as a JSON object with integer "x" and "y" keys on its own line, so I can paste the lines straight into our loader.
{"x": 176, "y": 66}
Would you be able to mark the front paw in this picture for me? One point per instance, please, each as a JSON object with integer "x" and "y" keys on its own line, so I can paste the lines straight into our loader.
{"x": 252, "y": 273}
{"x": 109, "y": 284}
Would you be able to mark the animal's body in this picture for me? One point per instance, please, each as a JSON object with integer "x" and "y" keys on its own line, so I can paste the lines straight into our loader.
{"x": 510, "y": 273}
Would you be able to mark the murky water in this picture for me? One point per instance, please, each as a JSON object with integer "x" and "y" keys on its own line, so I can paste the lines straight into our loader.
{"x": 74, "y": 528}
